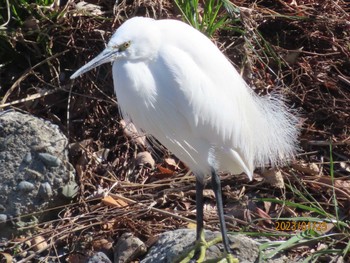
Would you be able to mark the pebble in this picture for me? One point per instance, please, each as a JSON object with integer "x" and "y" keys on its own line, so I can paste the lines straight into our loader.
{"x": 32, "y": 174}
{"x": 49, "y": 159}
{"x": 27, "y": 158}
{"x": 3, "y": 218}
{"x": 128, "y": 248}
{"x": 45, "y": 190}
{"x": 99, "y": 257}
{"x": 25, "y": 186}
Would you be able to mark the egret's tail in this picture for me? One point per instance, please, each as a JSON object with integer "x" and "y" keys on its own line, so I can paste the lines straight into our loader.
{"x": 276, "y": 141}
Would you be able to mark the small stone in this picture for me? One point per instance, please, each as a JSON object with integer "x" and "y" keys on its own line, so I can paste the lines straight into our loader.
{"x": 3, "y": 218}
{"x": 25, "y": 186}
{"x": 99, "y": 257}
{"x": 49, "y": 159}
{"x": 35, "y": 175}
{"x": 128, "y": 248}
{"x": 27, "y": 158}
{"x": 2, "y": 144}
{"x": 45, "y": 190}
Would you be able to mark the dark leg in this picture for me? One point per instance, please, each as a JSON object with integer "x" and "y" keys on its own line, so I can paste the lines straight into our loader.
{"x": 215, "y": 180}
{"x": 199, "y": 207}
{"x": 198, "y": 251}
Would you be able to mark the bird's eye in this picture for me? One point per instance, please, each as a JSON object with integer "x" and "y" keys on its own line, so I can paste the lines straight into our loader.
{"x": 124, "y": 46}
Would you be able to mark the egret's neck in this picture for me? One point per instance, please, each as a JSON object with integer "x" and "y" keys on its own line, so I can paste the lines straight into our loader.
{"x": 133, "y": 81}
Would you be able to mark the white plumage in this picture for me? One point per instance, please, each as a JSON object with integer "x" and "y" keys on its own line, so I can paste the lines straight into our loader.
{"x": 176, "y": 85}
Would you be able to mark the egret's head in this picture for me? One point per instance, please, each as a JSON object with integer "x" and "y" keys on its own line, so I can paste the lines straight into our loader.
{"x": 136, "y": 39}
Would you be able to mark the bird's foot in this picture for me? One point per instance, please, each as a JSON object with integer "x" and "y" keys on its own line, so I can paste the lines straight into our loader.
{"x": 226, "y": 258}
{"x": 199, "y": 249}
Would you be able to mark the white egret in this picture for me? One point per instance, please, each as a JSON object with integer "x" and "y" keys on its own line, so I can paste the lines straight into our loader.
{"x": 173, "y": 83}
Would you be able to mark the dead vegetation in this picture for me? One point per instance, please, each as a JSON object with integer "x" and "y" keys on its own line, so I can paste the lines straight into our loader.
{"x": 301, "y": 48}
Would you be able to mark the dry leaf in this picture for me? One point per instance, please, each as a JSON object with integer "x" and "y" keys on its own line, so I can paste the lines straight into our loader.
{"x": 110, "y": 201}
{"x": 86, "y": 9}
{"x": 101, "y": 155}
{"x": 171, "y": 163}
{"x": 274, "y": 178}
{"x": 291, "y": 56}
{"x": 209, "y": 208}
{"x": 307, "y": 168}
{"x": 77, "y": 258}
{"x": 39, "y": 243}
{"x": 131, "y": 132}
{"x": 341, "y": 187}
{"x": 267, "y": 206}
{"x": 191, "y": 226}
{"x": 263, "y": 214}
{"x": 164, "y": 170}
{"x": 345, "y": 166}
{"x": 102, "y": 244}
{"x": 208, "y": 193}
{"x": 108, "y": 225}
{"x": 5, "y": 257}
{"x": 185, "y": 206}
{"x": 145, "y": 159}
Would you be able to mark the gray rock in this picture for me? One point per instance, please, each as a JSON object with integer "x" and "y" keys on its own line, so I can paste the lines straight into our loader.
{"x": 49, "y": 160}
{"x": 45, "y": 190}
{"x": 25, "y": 186}
{"x": 34, "y": 167}
{"x": 27, "y": 158}
{"x": 99, "y": 257}
{"x": 172, "y": 244}
{"x": 3, "y": 218}
{"x": 128, "y": 248}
